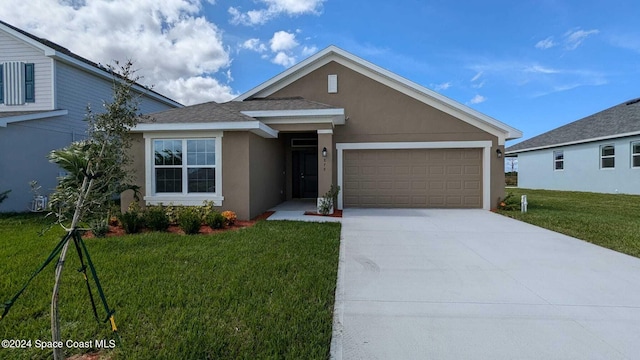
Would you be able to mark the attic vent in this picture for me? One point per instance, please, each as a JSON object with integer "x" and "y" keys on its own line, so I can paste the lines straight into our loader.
{"x": 633, "y": 101}
{"x": 13, "y": 83}
{"x": 333, "y": 84}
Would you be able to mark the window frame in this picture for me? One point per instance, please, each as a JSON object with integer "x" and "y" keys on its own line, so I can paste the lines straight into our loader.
{"x": 603, "y": 157}
{"x": 634, "y": 154}
{"x": 184, "y": 197}
{"x": 557, "y": 161}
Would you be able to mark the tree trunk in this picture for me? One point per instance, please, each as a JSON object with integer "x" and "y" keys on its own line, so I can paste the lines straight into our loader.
{"x": 58, "y": 352}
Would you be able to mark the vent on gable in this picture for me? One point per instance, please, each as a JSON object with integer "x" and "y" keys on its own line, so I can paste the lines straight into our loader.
{"x": 333, "y": 84}
{"x": 14, "y": 89}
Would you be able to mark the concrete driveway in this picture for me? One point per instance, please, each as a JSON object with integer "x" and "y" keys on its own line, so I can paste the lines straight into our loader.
{"x": 470, "y": 284}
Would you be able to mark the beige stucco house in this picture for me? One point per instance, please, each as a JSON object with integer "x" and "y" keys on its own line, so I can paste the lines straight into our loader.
{"x": 334, "y": 118}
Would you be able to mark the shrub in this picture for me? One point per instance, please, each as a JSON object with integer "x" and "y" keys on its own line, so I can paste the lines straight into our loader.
{"x": 328, "y": 200}
{"x": 156, "y": 218}
{"x": 509, "y": 203}
{"x": 99, "y": 228}
{"x": 230, "y": 217}
{"x": 189, "y": 220}
{"x": 215, "y": 220}
{"x": 131, "y": 221}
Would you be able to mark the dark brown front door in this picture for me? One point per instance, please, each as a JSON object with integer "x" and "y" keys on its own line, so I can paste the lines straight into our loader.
{"x": 305, "y": 173}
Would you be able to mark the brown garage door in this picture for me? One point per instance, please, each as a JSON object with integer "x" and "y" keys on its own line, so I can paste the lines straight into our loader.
{"x": 413, "y": 178}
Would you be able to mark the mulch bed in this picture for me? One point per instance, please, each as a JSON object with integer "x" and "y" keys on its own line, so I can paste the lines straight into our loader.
{"x": 116, "y": 230}
{"x": 336, "y": 213}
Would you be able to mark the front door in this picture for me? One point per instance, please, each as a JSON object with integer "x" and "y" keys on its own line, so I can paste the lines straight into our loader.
{"x": 305, "y": 173}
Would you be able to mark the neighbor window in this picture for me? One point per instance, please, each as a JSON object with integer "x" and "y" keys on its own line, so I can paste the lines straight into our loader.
{"x": 17, "y": 83}
{"x": 635, "y": 154}
{"x": 607, "y": 157}
{"x": 184, "y": 166}
{"x": 558, "y": 160}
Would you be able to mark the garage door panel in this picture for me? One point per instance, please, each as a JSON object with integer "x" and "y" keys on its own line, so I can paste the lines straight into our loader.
{"x": 413, "y": 178}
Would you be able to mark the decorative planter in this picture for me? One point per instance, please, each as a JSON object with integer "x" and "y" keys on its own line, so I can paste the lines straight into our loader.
{"x": 321, "y": 201}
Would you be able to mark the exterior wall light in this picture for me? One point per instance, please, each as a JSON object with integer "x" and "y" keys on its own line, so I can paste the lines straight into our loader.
{"x": 324, "y": 152}
{"x": 499, "y": 153}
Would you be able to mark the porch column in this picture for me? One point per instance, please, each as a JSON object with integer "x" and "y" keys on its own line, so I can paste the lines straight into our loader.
{"x": 325, "y": 164}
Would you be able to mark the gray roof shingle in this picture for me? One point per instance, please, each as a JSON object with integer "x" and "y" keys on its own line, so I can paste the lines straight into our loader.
{"x": 229, "y": 111}
{"x": 620, "y": 119}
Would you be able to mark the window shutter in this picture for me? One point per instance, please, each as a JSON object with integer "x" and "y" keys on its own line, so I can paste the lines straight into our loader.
{"x": 29, "y": 82}
{"x": 1, "y": 84}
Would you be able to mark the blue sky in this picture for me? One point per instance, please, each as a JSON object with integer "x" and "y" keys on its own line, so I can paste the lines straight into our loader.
{"x": 535, "y": 65}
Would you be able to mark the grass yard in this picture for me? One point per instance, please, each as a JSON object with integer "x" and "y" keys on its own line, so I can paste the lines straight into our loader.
{"x": 608, "y": 220}
{"x": 260, "y": 292}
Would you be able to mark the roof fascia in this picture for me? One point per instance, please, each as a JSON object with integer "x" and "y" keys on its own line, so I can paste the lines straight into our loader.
{"x": 332, "y": 53}
{"x": 36, "y": 116}
{"x": 22, "y": 37}
{"x": 255, "y": 127}
{"x": 577, "y": 142}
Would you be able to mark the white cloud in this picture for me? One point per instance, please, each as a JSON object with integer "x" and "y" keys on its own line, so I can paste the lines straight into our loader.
{"x": 575, "y": 38}
{"x": 443, "y": 86}
{"x": 477, "y": 76}
{"x": 309, "y": 50}
{"x": 535, "y": 68}
{"x": 283, "y": 41}
{"x": 477, "y": 99}
{"x": 546, "y": 43}
{"x": 274, "y": 9}
{"x": 284, "y": 59}
{"x": 255, "y": 45}
{"x": 167, "y": 40}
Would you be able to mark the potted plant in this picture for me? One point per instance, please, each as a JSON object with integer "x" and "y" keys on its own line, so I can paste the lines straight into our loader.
{"x": 327, "y": 201}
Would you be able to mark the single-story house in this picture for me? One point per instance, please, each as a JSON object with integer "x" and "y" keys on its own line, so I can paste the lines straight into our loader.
{"x": 599, "y": 153}
{"x": 334, "y": 118}
{"x": 44, "y": 93}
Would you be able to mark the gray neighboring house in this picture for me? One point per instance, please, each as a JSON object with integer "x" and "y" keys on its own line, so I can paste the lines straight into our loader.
{"x": 599, "y": 153}
{"x": 44, "y": 93}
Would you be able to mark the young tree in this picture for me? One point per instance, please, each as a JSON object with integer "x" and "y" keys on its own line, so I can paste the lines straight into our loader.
{"x": 95, "y": 171}
{"x": 4, "y": 195}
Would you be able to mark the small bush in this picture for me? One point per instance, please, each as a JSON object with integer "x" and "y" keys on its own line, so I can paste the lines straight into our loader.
{"x": 189, "y": 220}
{"x": 215, "y": 220}
{"x": 99, "y": 228}
{"x": 510, "y": 203}
{"x": 230, "y": 217}
{"x": 131, "y": 222}
{"x": 156, "y": 218}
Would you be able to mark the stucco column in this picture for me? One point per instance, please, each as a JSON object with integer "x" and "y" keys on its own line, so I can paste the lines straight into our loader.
{"x": 325, "y": 164}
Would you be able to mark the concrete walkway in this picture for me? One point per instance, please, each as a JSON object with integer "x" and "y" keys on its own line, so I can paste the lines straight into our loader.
{"x": 470, "y": 284}
{"x": 294, "y": 210}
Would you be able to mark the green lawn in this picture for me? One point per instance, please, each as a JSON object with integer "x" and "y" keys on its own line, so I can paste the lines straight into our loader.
{"x": 608, "y": 220}
{"x": 260, "y": 292}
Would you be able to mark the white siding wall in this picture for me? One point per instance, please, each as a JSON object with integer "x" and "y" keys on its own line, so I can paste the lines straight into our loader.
{"x": 15, "y": 50}
{"x": 582, "y": 170}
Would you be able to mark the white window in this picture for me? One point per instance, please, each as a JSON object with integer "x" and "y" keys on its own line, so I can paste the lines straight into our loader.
{"x": 183, "y": 171}
{"x": 635, "y": 154}
{"x": 607, "y": 157}
{"x": 558, "y": 160}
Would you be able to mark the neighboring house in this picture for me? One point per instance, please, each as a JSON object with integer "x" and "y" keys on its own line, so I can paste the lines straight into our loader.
{"x": 600, "y": 153}
{"x": 332, "y": 119}
{"x": 44, "y": 93}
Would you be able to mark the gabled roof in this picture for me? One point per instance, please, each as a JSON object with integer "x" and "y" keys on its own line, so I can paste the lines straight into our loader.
{"x": 618, "y": 121}
{"x": 427, "y": 96}
{"x": 61, "y": 53}
{"x": 200, "y": 113}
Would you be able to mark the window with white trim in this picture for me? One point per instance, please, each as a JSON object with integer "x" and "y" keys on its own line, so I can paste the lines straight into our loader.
{"x": 635, "y": 154}
{"x": 607, "y": 157}
{"x": 558, "y": 160}
{"x": 184, "y": 166}
{"x": 17, "y": 83}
